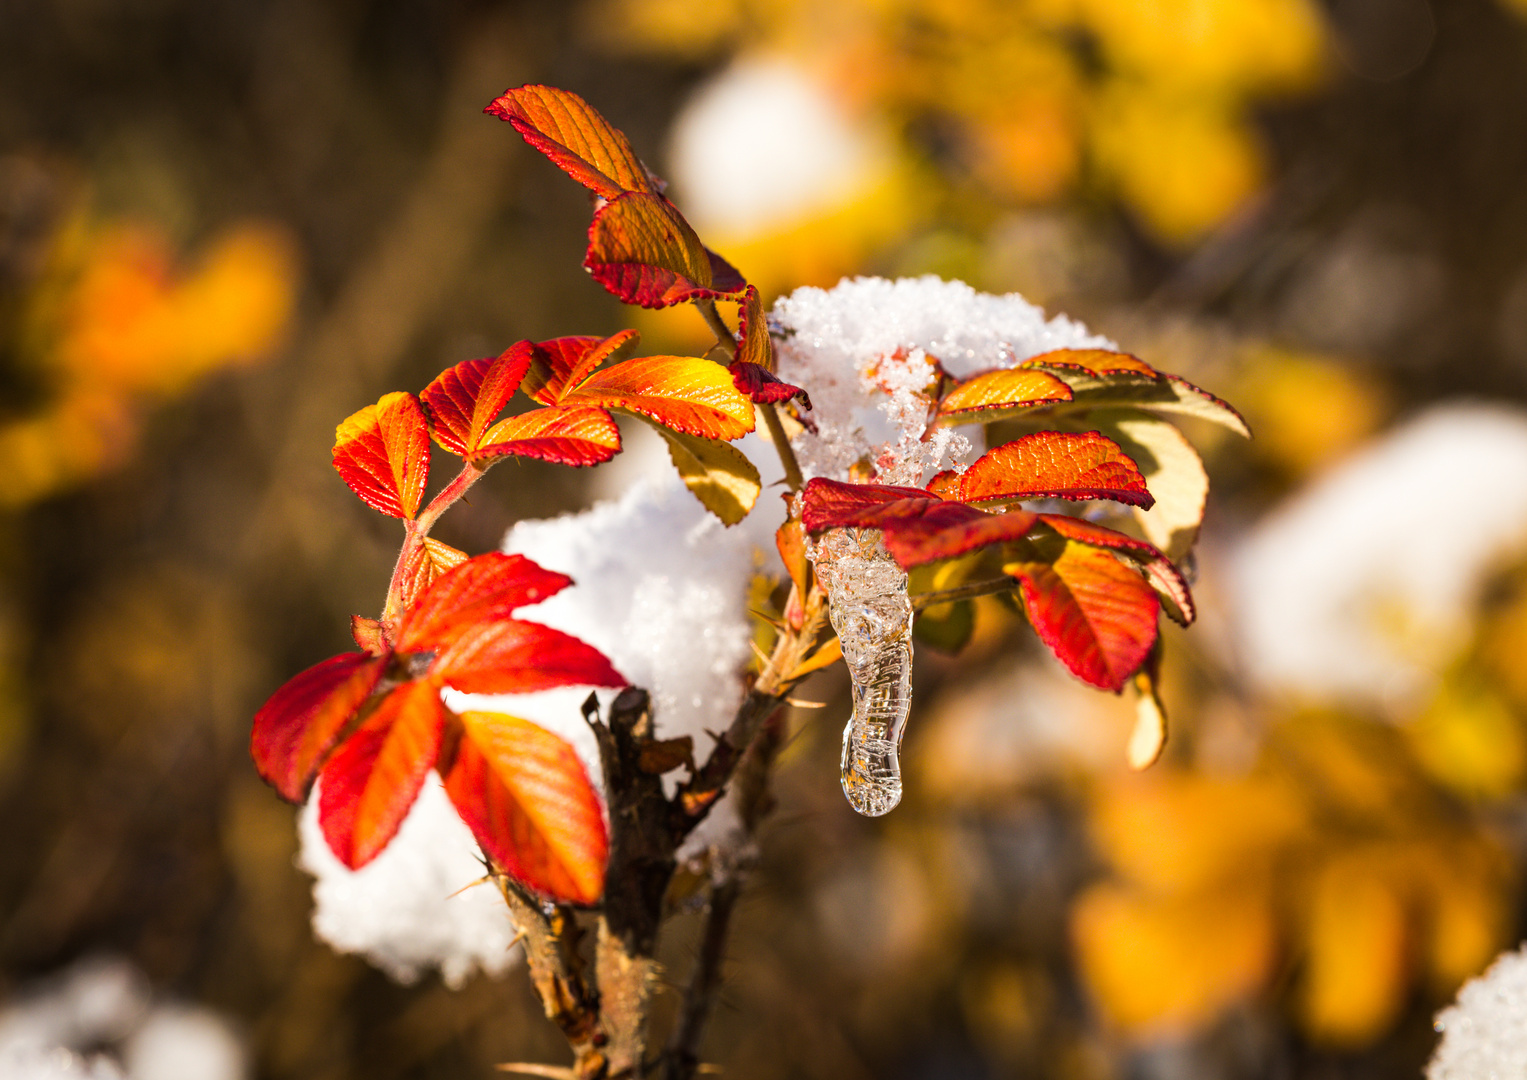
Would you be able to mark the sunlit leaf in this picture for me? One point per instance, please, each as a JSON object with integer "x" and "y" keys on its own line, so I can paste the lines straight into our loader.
{"x": 482, "y": 589}
{"x": 715, "y": 472}
{"x": 1054, "y": 465}
{"x": 371, "y": 782}
{"x": 525, "y": 796}
{"x": 567, "y": 435}
{"x": 684, "y": 393}
{"x": 1163, "y": 575}
{"x": 762, "y": 386}
{"x": 1148, "y": 737}
{"x": 755, "y": 346}
{"x": 382, "y": 453}
{"x": 1096, "y": 614}
{"x": 835, "y": 504}
{"x": 507, "y": 656}
{"x": 642, "y": 250}
{"x": 1102, "y": 379}
{"x": 297, "y": 726}
{"x": 790, "y": 539}
{"x": 1173, "y": 471}
{"x": 562, "y": 363}
{"x": 464, "y": 400}
{"x": 422, "y": 566}
{"x": 570, "y": 132}
{"x": 996, "y": 395}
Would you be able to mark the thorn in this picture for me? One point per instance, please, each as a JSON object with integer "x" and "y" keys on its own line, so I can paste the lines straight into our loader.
{"x": 590, "y": 707}
{"x": 471, "y": 885}
{"x": 799, "y": 704}
{"x": 778, "y": 624}
{"x": 762, "y": 656}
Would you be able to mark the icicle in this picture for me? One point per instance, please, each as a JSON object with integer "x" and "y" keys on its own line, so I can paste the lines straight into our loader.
{"x": 870, "y": 610}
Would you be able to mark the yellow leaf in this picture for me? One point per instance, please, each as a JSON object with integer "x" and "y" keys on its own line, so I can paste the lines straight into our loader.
{"x": 715, "y": 472}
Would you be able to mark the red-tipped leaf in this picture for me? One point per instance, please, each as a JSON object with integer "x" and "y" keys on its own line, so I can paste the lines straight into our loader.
{"x": 382, "y": 453}
{"x": 371, "y": 782}
{"x": 525, "y": 796}
{"x": 297, "y": 726}
{"x": 1159, "y": 570}
{"x": 463, "y": 401}
{"x": 762, "y": 386}
{"x": 1055, "y": 465}
{"x": 570, "y": 132}
{"x": 562, "y": 363}
{"x": 513, "y": 657}
{"x": 684, "y": 393}
{"x": 482, "y": 589}
{"x": 943, "y": 530}
{"x": 565, "y": 435}
{"x": 1097, "y": 615}
{"x": 642, "y": 250}
{"x": 834, "y": 504}
{"x": 990, "y": 395}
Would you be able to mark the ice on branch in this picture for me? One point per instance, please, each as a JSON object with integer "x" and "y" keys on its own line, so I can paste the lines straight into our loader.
{"x": 872, "y": 615}
{"x": 1485, "y": 1033}
{"x": 863, "y": 350}
{"x": 414, "y": 906}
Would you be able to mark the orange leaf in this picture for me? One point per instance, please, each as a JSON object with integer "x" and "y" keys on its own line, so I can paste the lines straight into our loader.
{"x": 463, "y": 400}
{"x": 1100, "y": 378}
{"x": 370, "y": 784}
{"x": 835, "y": 504}
{"x": 382, "y": 453}
{"x": 297, "y": 726}
{"x": 570, "y": 132}
{"x": 1055, "y": 465}
{"x": 483, "y": 589}
{"x": 525, "y": 796}
{"x": 572, "y": 435}
{"x": 1096, "y": 614}
{"x": 993, "y": 395}
{"x": 513, "y": 657}
{"x": 687, "y": 394}
{"x": 1159, "y": 570}
{"x": 562, "y": 363}
{"x": 1094, "y": 362}
{"x": 642, "y": 250}
{"x": 755, "y": 346}
{"x": 422, "y": 566}
{"x": 944, "y": 530}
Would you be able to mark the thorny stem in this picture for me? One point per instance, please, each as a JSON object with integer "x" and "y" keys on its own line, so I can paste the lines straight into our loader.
{"x": 963, "y": 592}
{"x": 415, "y": 532}
{"x": 718, "y": 325}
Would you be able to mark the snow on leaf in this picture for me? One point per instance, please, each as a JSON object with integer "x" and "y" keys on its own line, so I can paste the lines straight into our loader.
{"x": 715, "y": 472}
{"x": 996, "y": 395}
{"x": 507, "y": 656}
{"x": 562, "y": 363}
{"x": 570, "y": 132}
{"x": 482, "y": 589}
{"x": 1100, "y": 379}
{"x": 642, "y": 250}
{"x": 684, "y": 393}
{"x": 297, "y": 726}
{"x": 372, "y": 780}
{"x": 463, "y": 400}
{"x": 382, "y": 453}
{"x": 1055, "y": 465}
{"x": 1097, "y": 615}
{"x": 1163, "y": 576}
{"x": 569, "y": 435}
{"x": 525, "y": 796}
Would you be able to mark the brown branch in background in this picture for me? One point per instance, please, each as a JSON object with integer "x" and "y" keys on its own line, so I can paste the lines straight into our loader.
{"x": 963, "y": 592}
{"x": 680, "y": 1059}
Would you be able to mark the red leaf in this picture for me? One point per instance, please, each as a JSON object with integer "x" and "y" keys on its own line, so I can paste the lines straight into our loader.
{"x": 569, "y": 435}
{"x": 373, "y": 779}
{"x": 942, "y": 530}
{"x": 482, "y": 589}
{"x": 564, "y": 362}
{"x": 834, "y": 504}
{"x": 1094, "y": 362}
{"x": 685, "y": 393}
{"x": 755, "y": 346}
{"x": 1096, "y": 614}
{"x": 642, "y": 250}
{"x": 422, "y": 567}
{"x": 724, "y": 277}
{"x": 462, "y": 401}
{"x": 570, "y": 132}
{"x": 946, "y": 485}
{"x": 979, "y": 397}
{"x": 513, "y": 657}
{"x": 523, "y": 793}
{"x": 763, "y": 386}
{"x": 382, "y": 453}
{"x": 1055, "y": 465}
{"x": 1159, "y": 570}
{"x": 297, "y": 726}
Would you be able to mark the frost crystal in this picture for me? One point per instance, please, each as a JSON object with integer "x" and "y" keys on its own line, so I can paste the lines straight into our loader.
{"x": 1484, "y": 1035}
{"x": 872, "y": 614}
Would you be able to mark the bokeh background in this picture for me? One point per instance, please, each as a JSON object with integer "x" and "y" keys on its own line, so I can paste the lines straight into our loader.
{"x": 225, "y": 226}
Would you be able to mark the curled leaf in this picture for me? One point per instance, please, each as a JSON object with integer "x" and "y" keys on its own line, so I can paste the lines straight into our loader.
{"x": 1100, "y": 378}
{"x": 382, "y": 453}
{"x": 574, "y": 136}
{"x": 463, "y": 400}
{"x": 642, "y": 250}
{"x": 762, "y": 386}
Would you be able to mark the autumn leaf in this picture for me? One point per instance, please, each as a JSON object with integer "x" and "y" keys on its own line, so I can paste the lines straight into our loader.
{"x": 572, "y": 133}
{"x": 422, "y": 566}
{"x": 463, "y": 401}
{"x": 371, "y": 782}
{"x": 684, "y": 393}
{"x": 1100, "y": 378}
{"x": 525, "y": 796}
{"x": 1054, "y": 465}
{"x": 642, "y": 250}
{"x": 1097, "y": 615}
{"x": 1162, "y": 574}
{"x": 301, "y": 721}
{"x": 481, "y": 590}
{"x": 715, "y": 472}
{"x": 573, "y": 435}
{"x": 562, "y": 363}
{"x": 508, "y": 656}
{"x": 382, "y": 453}
{"x": 997, "y": 395}
{"x": 762, "y": 386}
{"x": 831, "y": 504}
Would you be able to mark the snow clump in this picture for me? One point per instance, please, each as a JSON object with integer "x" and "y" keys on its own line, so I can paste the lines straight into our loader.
{"x": 1485, "y": 1033}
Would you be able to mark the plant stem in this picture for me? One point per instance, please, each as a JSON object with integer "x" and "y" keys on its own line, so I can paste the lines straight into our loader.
{"x": 963, "y": 592}
{"x": 781, "y": 443}
{"x": 718, "y": 325}
{"x": 680, "y": 1059}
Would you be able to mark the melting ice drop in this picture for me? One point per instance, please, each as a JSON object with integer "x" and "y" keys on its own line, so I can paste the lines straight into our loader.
{"x": 872, "y": 614}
